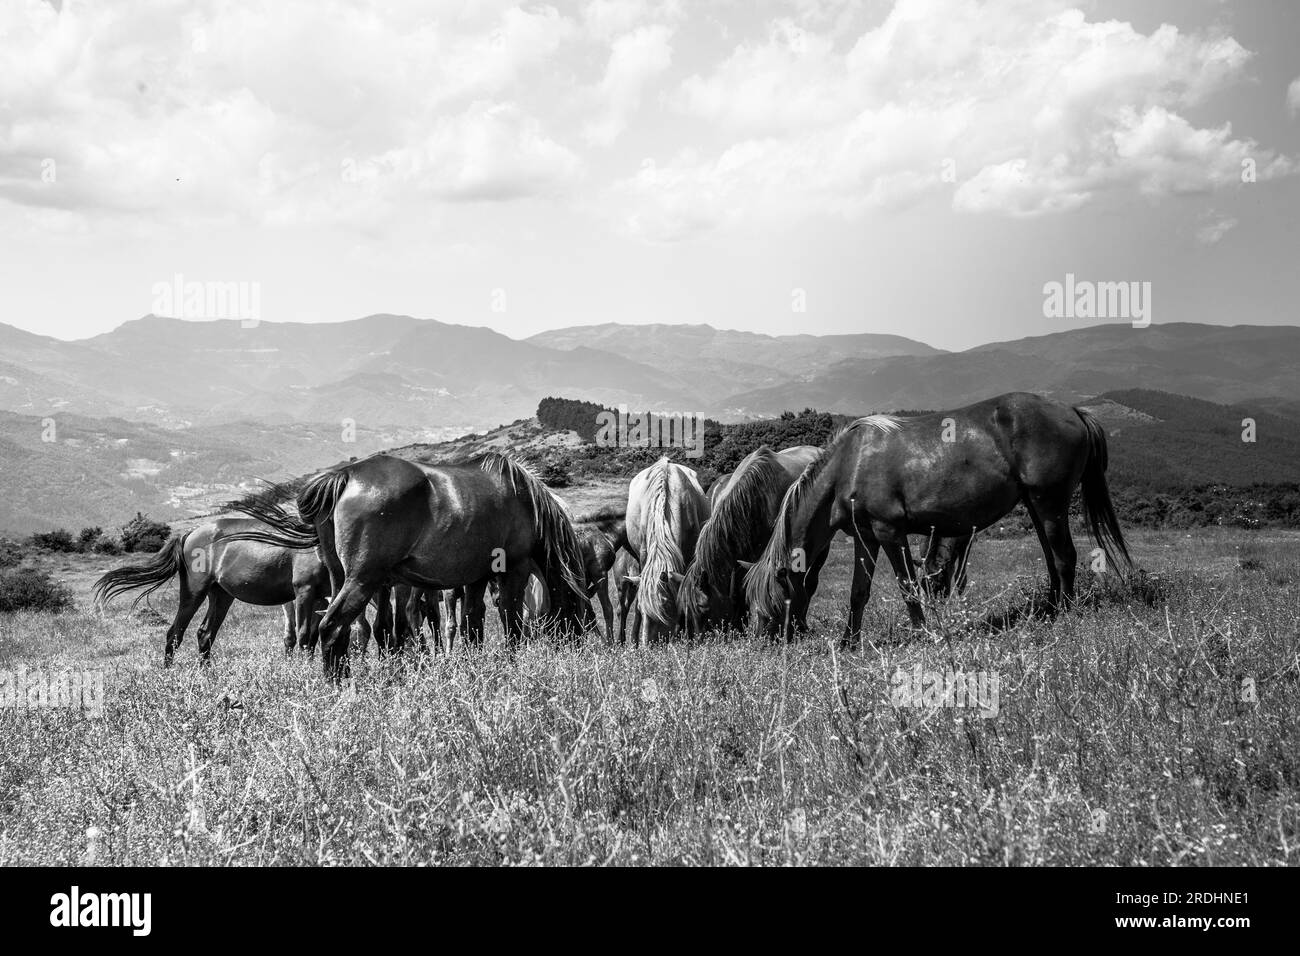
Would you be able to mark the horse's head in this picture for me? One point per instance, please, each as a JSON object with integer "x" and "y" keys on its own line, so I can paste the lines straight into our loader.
{"x": 778, "y": 596}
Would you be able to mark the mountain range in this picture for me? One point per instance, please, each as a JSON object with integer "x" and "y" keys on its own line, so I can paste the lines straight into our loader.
{"x": 169, "y": 416}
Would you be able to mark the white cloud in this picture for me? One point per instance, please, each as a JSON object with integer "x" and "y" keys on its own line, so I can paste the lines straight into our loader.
{"x": 1293, "y": 96}
{"x": 1036, "y": 110}
{"x": 635, "y": 58}
{"x": 1214, "y": 230}
{"x": 260, "y": 111}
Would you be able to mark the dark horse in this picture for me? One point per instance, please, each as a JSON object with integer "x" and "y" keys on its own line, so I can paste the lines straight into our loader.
{"x": 212, "y": 564}
{"x": 384, "y": 520}
{"x": 744, "y": 507}
{"x": 947, "y": 474}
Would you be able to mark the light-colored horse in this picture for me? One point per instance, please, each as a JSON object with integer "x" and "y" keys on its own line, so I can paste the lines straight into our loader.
{"x": 666, "y": 508}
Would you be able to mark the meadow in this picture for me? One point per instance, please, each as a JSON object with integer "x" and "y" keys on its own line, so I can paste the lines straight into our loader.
{"x": 1158, "y": 723}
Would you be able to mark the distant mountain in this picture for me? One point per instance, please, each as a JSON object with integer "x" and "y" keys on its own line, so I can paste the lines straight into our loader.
{"x": 1216, "y": 363}
{"x": 715, "y": 363}
{"x": 73, "y": 471}
{"x": 380, "y": 371}
{"x": 1159, "y": 441}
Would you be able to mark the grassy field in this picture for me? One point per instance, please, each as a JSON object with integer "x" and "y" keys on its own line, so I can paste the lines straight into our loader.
{"x": 1158, "y": 723}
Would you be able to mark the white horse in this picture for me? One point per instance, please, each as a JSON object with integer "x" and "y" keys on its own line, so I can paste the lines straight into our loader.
{"x": 666, "y": 508}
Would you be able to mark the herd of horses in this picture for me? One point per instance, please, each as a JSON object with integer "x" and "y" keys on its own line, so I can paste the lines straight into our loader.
{"x": 410, "y": 539}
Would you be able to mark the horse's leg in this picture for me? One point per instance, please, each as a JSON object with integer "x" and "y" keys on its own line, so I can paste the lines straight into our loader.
{"x": 290, "y": 627}
{"x": 385, "y": 638}
{"x": 864, "y": 566}
{"x": 1053, "y": 574}
{"x": 219, "y": 602}
{"x": 364, "y": 627}
{"x": 1058, "y": 547}
{"x": 336, "y": 626}
{"x": 510, "y": 602}
{"x": 811, "y": 578}
{"x": 187, "y": 605}
{"x": 894, "y": 541}
{"x": 431, "y": 606}
{"x": 304, "y": 614}
{"x": 606, "y": 607}
{"x": 474, "y": 609}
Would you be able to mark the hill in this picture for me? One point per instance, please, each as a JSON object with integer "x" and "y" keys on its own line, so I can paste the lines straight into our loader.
{"x": 1224, "y": 364}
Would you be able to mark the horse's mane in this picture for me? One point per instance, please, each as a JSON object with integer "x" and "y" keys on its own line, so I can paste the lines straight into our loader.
{"x": 551, "y": 522}
{"x": 663, "y": 552}
{"x": 739, "y": 526}
{"x": 763, "y": 590}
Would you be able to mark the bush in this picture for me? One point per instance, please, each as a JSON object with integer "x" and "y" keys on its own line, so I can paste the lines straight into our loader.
{"x": 144, "y": 534}
{"x": 31, "y": 589}
{"x": 88, "y": 536}
{"x": 11, "y": 552}
{"x": 106, "y": 545}
{"x": 59, "y": 540}
{"x": 556, "y": 474}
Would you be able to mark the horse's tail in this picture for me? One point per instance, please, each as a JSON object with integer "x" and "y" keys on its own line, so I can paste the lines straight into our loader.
{"x": 284, "y": 528}
{"x": 560, "y": 551}
{"x": 1097, "y": 508}
{"x": 165, "y": 564}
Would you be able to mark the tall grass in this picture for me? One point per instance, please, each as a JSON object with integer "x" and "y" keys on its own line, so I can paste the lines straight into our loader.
{"x": 1125, "y": 734}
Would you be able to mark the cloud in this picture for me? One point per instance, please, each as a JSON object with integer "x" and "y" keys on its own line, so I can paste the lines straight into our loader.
{"x": 1293, "y": 96}
{"x": 635, "y": 58}
{"x": 1211, "y": 232}
{"x": 276, "y": 113}
{"x": 1034, "y": 109}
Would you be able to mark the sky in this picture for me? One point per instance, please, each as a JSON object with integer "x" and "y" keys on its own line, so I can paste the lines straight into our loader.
{"x": 917, "y": 167}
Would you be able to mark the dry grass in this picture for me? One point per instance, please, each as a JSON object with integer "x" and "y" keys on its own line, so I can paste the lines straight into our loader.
{"x": 1121, "y": 738}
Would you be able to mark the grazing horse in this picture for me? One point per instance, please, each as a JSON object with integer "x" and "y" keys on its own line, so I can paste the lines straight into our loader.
{"x": 948, "y": 474}
{"x": 626, "y": 570}
{"x": 600, "y": 536}
{"x": 740, "y": 522}
{"x": 210, "y": 563}
{"x": 385, "y": 520}
{"x": 666, "y": 508}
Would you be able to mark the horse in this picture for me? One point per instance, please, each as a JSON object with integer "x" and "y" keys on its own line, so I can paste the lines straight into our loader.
{"x": 947, "y": 474}
{"x": 385, "y": 520}
{"x": 211, "y": 564}
{"x": 625, "y": 573}
{"x": 600, "y": 537}
{"x": 666, "y": 508}
{"x": 744, "y": 506}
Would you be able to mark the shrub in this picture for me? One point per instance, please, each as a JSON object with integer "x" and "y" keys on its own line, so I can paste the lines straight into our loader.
{"x": 58, "y": 540}
{"x": 106, "y": 545}
{"x": 11, "y": 552}
{"x": 31, "y": 589}
{"x": 86, "y": 539}
{"x": 144, "y": 534}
